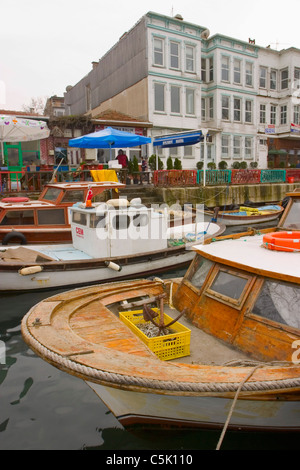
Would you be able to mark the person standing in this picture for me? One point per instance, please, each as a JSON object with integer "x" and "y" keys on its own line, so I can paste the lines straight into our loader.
{"x": 122, "y": 158}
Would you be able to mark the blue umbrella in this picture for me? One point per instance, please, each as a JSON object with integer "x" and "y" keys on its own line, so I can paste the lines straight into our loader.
{"x": 108, "y": 138}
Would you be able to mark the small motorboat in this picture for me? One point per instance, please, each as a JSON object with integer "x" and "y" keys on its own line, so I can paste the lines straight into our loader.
{"x": 225, "y": 353}
{"x": 46, "y": 220}
{"x": 245, "y": 215}
{"x": 112, "y": 240}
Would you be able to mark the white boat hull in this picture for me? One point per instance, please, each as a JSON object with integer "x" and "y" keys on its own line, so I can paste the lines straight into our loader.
{"x": 200, "y": 411}
{"x": 13, "y": 281}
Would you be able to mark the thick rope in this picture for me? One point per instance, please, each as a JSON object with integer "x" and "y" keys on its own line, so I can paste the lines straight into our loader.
{"x": 90, "y": 373}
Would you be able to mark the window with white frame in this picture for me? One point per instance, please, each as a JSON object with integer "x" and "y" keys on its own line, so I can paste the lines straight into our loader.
{"x": 211, "y": 107}
{"x": 175, "y": 99}
{"x": 237, "y": 109}
{"x": 158, "y": 56}
{"x": 273, "y": 112}
{"x": 225, "y": 146}
{"x": 190, "y": 101}
{"x": 190, "y": 58}
{"x": 249, "y": 147}
{"x": 159, "y": 97}
{"x": 273, "y": 80}
{"x": 297, "y": 77}
{"x": 248, "y": 111}
{"x": 211, "y": 69}
{"x": 284, "y": 75}
{"x": 188, "y": 151}
{"x": 283, "y": 114}
{"x": 173, "y": 151}
{"x": 262, "y": 77}
{"x": 237, "y": 71}
{"x": 203, "y": 109}
{"x": 225, "y": 69}
{"x": 225, "y": 107}
{"x": 236, "y": 146}
{"x": 174, "y": 55}
{"x": 203, "y": 70}
{"x": 249, "y": 73}
{"x": 297, "y": 114}
{"x": 262, "y": 114}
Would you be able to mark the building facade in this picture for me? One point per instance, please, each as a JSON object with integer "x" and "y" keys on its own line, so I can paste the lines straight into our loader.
{"x": 176, "y": 76}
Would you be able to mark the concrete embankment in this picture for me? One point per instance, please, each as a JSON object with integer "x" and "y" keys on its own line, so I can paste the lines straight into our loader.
{"x": 211, "y": 196}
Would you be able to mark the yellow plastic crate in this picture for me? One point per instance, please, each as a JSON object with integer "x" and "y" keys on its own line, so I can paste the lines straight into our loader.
{"x": 165, "y": 347}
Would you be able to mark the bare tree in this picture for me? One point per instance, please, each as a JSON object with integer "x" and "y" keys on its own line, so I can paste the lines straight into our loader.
{"x": 36, "y": 105}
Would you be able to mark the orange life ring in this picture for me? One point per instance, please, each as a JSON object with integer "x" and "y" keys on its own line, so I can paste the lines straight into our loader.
{"x": 282, "y": 241}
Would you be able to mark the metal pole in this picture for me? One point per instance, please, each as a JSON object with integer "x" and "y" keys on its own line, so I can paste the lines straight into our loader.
{"x": 204, "y": 132}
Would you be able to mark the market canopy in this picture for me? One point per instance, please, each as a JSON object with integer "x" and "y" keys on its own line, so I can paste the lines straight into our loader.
{"x": 15, "y": 129}
{"x": 109, "y": 138}
{"x": 178, "y": 140}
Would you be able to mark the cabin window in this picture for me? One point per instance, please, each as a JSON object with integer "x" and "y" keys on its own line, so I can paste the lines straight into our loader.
{"x": 292, "y": 220}
{"x": 120, "y": 222}
{"x": 51, "y": 217}
{"x": 73, "y": 196}
{"x": 52, "y": 194}
{"x": 279, "y": 301}
{"x": 229, "y": 286}
{"x": 198, "y": 271}
{"x": 79, "y": 218}
{"x": 97, "y": 221}
{"x": 140, "y": 220}
{"x": 18, "y": 218}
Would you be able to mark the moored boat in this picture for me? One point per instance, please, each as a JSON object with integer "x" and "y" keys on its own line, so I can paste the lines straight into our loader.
{"x": 46, "y": 220}
{"x": 241, "y": 371}
{"x": 245, "y": 215}
{"x": 113, "y": 240}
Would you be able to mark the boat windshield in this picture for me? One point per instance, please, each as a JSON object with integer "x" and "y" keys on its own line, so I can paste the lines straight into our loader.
{"x": 52, "y": 194}
{"x": 279, "y": 301}
{"x": 292, "y": 220}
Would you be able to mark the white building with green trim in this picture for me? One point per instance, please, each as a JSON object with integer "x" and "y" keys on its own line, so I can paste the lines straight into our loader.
{"x": 176, "y": 76}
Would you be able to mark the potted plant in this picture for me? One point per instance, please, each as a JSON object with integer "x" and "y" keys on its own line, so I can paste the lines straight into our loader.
{"x": 170, "y": 164}
{"x": 177, "y": 164}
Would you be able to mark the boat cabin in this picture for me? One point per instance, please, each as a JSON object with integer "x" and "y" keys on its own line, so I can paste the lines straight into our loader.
{"x": 46, "y": 220}
{"x": 108, "y": 229}
{"x": 67, "y": 194}
{"x": 245, "y": 295}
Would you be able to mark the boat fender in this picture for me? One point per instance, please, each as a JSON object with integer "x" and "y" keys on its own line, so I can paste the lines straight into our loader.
{"x": 30, "y": 270}
{"x": 14, "y": 235}
{"x": 114, "y": 266}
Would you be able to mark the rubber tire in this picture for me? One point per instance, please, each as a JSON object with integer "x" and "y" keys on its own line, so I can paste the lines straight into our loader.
{"x": 13, "y": 235}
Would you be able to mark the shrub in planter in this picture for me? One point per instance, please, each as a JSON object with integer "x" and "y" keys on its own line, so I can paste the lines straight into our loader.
{"x": 199, "y": 165}
{"x": 222, "y": 165}
{"x": 253, "y": 164}
{"x": 177, "y": 164}
{"x": 152, "y": 163}
{"x": 170, "y": 164}
{"x": 243, "y": 165}
{"x": 236, "y": 165}
{"x": 211, "y": 165}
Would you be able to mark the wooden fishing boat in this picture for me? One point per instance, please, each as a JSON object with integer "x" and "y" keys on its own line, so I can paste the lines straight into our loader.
{"x": 46, "y": 220}
{"x": 112, "y": 240}
{"x": 232, "y": 362}
{"x": 245, "y": 215}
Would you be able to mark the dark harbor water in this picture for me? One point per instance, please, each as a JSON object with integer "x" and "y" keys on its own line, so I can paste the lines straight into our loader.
{"x": 43, "y": 408}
